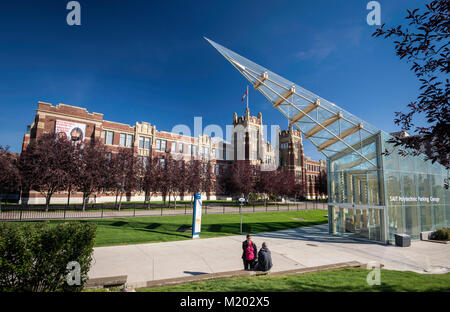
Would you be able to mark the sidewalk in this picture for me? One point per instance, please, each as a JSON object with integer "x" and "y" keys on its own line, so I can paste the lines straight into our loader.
{"x": 291, "y": 249}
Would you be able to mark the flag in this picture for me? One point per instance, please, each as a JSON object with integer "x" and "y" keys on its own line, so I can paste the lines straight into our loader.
{"x": 245, "y": 94}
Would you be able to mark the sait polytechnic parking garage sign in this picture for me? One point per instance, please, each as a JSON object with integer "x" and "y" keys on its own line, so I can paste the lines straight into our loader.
{"x": 197, "y": 215}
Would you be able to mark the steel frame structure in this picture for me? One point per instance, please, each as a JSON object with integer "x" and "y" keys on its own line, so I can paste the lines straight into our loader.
{"x": 283, "y": 95}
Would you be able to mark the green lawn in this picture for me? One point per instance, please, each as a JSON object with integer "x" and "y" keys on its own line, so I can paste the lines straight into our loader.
{"x": 135, "y": 230}
{"x": 347, "y": 280}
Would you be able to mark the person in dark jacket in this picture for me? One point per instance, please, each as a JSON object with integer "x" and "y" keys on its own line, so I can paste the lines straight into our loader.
{"x": 264, "y": 259}
{"x": 249, "y": 253}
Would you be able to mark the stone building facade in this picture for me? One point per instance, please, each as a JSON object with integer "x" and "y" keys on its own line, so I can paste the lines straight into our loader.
{"x": 247, "y": 142}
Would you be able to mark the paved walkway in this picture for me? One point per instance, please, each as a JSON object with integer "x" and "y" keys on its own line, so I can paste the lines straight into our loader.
{"x": 291, "y": 249}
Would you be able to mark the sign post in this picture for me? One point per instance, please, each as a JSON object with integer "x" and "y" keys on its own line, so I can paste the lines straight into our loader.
{"x": 241, "y": 203}
{"x": 197, "y": 215}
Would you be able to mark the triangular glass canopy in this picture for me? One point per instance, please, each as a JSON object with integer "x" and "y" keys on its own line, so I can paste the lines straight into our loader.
{"x": 330, "y": 128}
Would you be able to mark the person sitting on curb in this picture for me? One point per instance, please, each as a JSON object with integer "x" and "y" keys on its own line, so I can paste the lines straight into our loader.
{"x": 249, "y": 253}
{"x": 264, "y": 259}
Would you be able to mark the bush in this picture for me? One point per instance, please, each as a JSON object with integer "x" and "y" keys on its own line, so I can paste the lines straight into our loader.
{"x": 441, "y": 234}
{"x": 34, "y": 257}
{"x": 253, "y": 197}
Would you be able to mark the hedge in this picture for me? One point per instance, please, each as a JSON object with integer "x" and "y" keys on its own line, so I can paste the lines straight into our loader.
{"x": 441, "y": 234}
{"x": 34, "y": 257}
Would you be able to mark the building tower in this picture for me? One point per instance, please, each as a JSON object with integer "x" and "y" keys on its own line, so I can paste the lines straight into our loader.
{"x": 248, "y": 137}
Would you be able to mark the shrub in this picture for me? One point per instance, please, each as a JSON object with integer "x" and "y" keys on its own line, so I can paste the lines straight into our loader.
{"x": 34, "y": 257}
{"x": 253, "y": 197}
{"x": 441, "y": 234}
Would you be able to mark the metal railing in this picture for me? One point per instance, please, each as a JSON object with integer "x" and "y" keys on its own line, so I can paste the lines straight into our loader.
{"x": 105, "y": 210}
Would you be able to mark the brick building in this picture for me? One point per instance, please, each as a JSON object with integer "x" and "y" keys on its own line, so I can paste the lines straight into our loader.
{"x": 247, "y": 142}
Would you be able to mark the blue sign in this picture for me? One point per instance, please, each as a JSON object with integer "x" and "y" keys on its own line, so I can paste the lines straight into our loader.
{"x": 197, "y": 215}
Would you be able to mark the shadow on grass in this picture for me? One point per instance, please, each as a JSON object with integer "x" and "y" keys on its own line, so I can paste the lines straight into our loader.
{"x": 165, "y": 233}
{"x": 152, "y": 226}
{"x": 119, "y": 223}
{"x": 224, "y": 228}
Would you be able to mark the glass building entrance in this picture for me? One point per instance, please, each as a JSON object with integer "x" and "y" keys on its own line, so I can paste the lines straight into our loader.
{"x": 373, "y": 192}
{"x": 361, "y": 222}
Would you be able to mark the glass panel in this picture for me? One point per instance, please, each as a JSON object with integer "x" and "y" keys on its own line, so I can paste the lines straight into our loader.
{"x": 109, "y": 137}
{"x": 129, "y": 140}
{"x": 122, "y": 139}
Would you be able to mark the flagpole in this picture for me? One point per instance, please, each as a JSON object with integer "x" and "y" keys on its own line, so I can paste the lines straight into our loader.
{"x": 247, "y": 96}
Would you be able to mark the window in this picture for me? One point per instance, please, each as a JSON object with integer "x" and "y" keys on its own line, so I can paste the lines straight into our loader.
{"x": 214, "y": 153}
{"x": 141, "y": 142}
{"x": 189, "y": 151}
{"x": 130, "y": 140}
{"x": 194, "y": 150}
{"x": 108, "y": 137}
{"x": 122, "y": 139}
{"x": 180, "y": 148}
{"x": 148, "y": 143}
{"x": 205, "y": 152}
{"x": 174, "y": 147}
{"x": 163, "y": 145}
{"x": 126, "y": 140}
{"x": 158, "y": 144}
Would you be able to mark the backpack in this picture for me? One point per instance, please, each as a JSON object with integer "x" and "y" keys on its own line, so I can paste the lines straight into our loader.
{"x": 249, "y": 255}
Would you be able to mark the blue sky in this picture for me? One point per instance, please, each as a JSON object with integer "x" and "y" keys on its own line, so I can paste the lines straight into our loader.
{"x": 148, "y": 61}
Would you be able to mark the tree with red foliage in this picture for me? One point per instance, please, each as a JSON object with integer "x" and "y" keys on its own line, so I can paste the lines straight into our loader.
{"x": 151, "y": 177}
{"x": 123, "y": 172}
{"x": 285, "y": 183}
{"x": 240, "y": 178}
{"x": 10, "y": 175}
{"x": 265, "y": 181}
{"x": 194, "y": 177}
{"x": 45, "y": 164}
{"x": 165, "y": 182}
{"x": 425, "y": 44}
{"x": 179, "y": 179}
{"x": 208, "y": 178}
{"x": 322, "y": 185}
{"x": 91, "y": 170}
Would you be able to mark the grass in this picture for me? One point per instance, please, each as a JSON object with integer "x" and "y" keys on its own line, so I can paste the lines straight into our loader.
{"x": 136, "y": 230}
{"x": 121, "y": 231}
{"x": 340, "y": 280}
